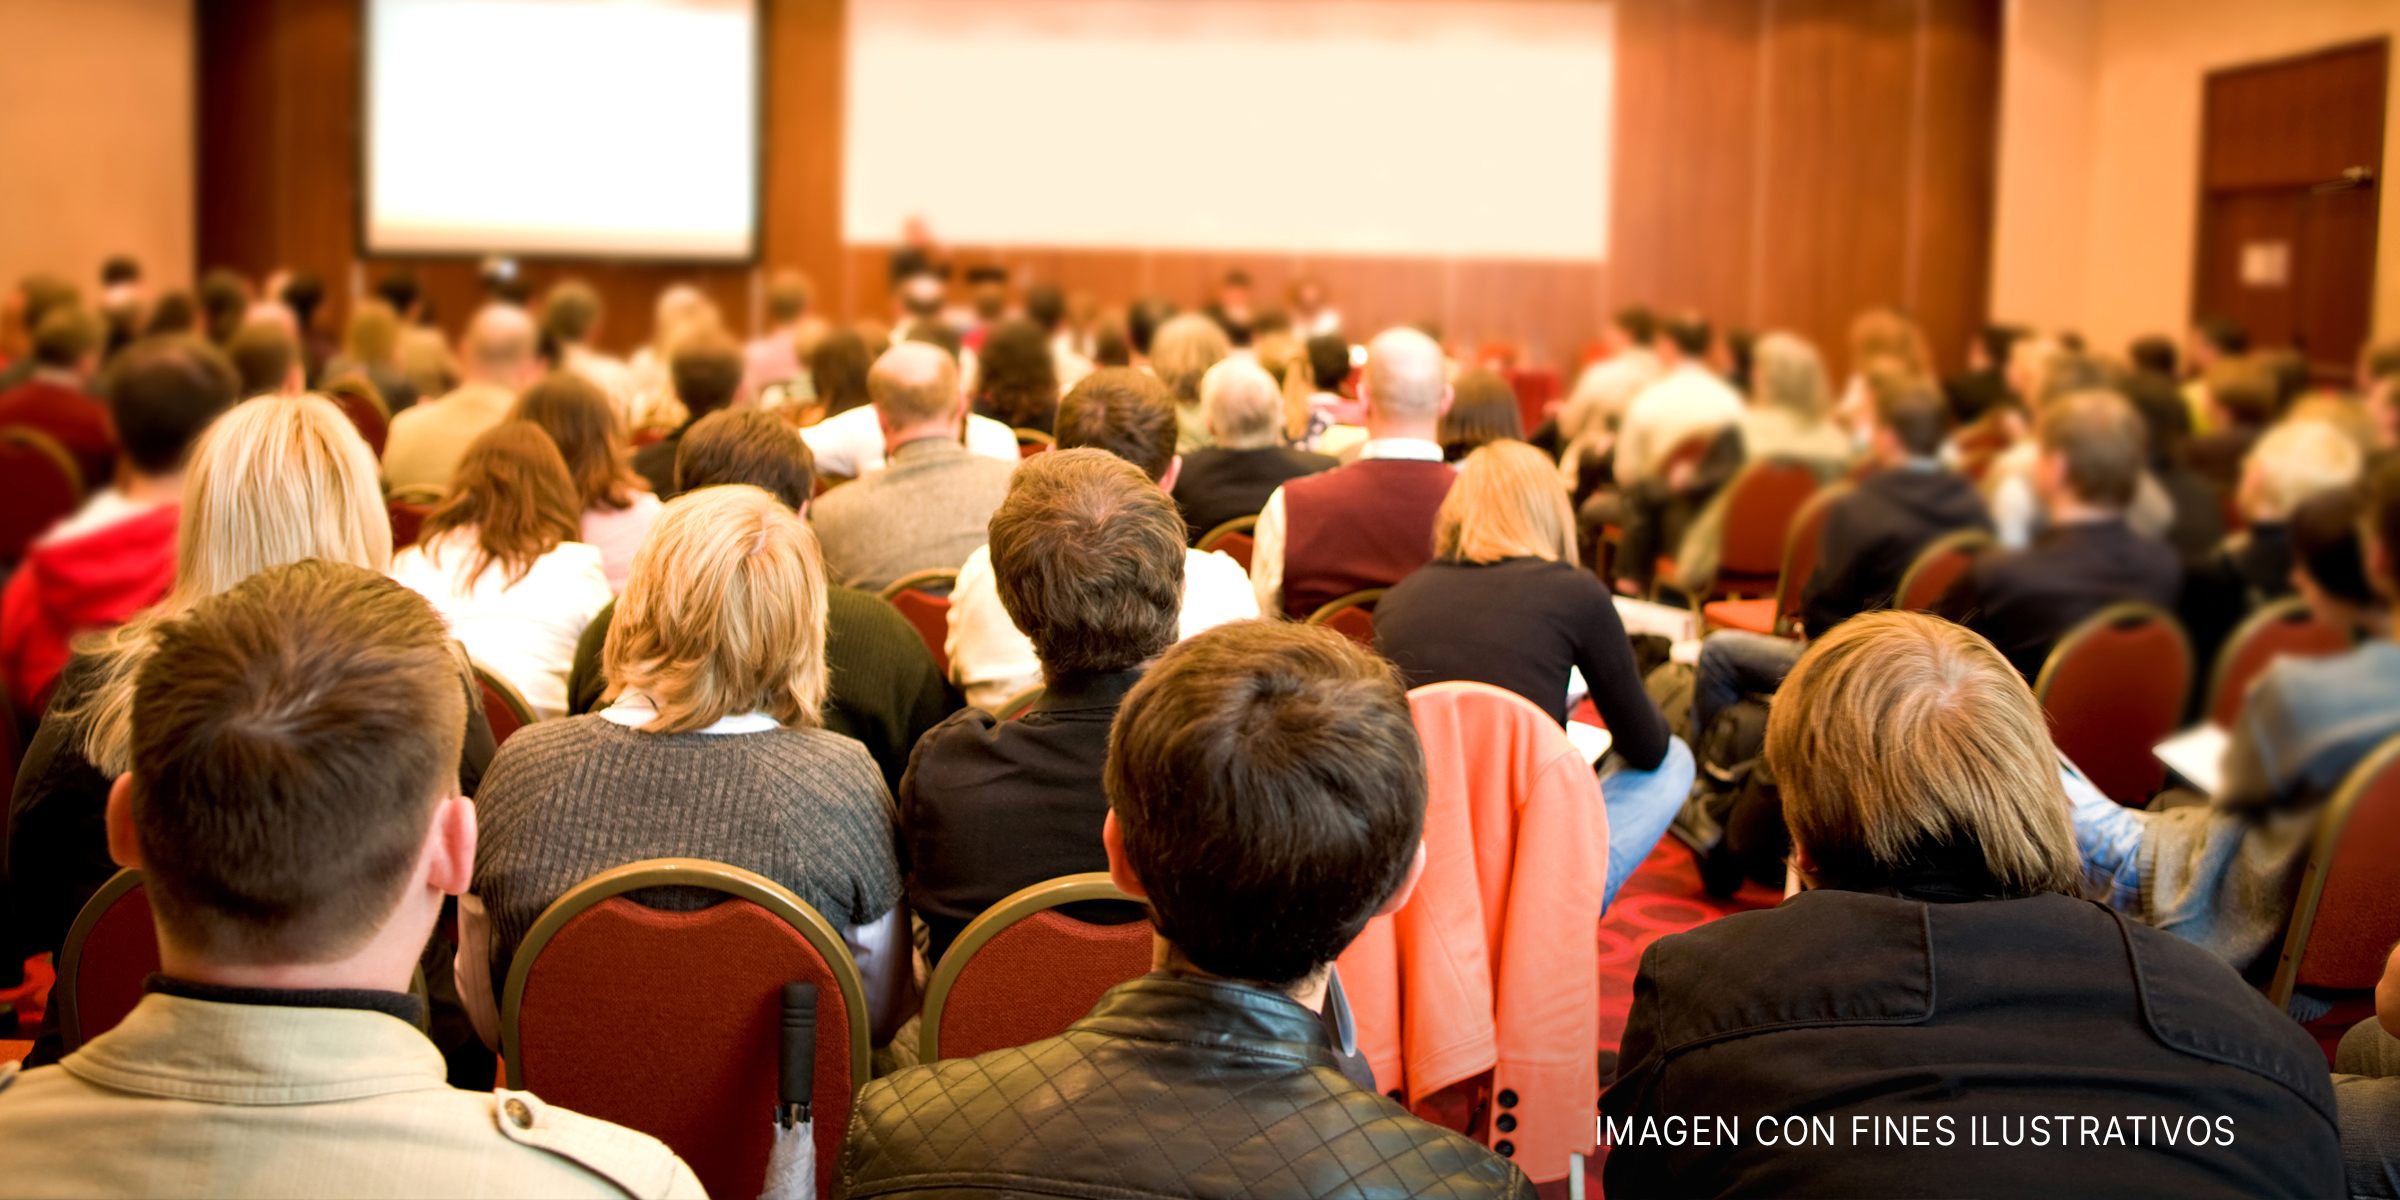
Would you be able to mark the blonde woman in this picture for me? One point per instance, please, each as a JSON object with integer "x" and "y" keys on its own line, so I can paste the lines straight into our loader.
{"x": 1503, "y": 603}
{"x": 272, "y": 481}
{"x": 1180, "y": 355}
{"x": 715, "y": 748}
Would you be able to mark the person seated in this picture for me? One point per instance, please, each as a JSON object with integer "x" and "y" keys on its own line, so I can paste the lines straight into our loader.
{"x": 2294, "y": 461}
{"x": 1181, "y": 354}
{"x": 617, "y": 504}
{"x": 779, "y": 356}
{"x": 884, "y": 688}
{"x": 1324, "y": 421}
{"x": 570, "y": 320}
{"x": 294, "y": 809}
{"x": 1246, "y": 459}
{"x": 2226, "y": 874}
{"x": 1687, "y": 400}
{"x": 371, "y": 348}
{"x": 1265, "y": 794}
{"x": 1983, "y": 386}
{"x": 705, "y": 373}
{"x": 1941, "y": 973}
{"x": 2089, "y": 464}
{"x": 1370, "y": 523}
{"x": 681, "y": 314}
{"x": 500, "y": 561}
{"x": 927, "y": 509}
{"x": 116, "y": 555}
{"x": 716, "y": 658}
{"x": 267, "y": 357}
{"x": 2238, "y": 402}
{"x": 1483, "y": 409}
{"x": 271, "y": 481}
{"x": 1088, "y": 559}
{"x": 2329, "y": 571}
{"x": 2195, "y": 513}
{"x": 1016, "y": 377}
{"x": 55, "y": 395}
{"x": 496, "y": 359}
{"x": 23, "y": 308}
{"x": 2366, "y": 1082}
{"x": 1503, "y": 603}
{"x": 1628, "y": 363}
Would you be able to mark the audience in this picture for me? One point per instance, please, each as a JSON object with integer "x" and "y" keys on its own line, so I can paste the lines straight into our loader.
{"x": 618, "y": 506}
{"x": 1181, "y": 353}
{"x": 776, "y": 357}
{"x": 926, "y": 510}
{"x": 499, "y": 560}
{"x": 1370, "y": 523}
{"x": 371, "y": 347}
{"x": 1483, "y": 410}
{"x": 1266, "y": 796}
{"x": 1130, "y": 415}
{"x": 267, "y": 357}
{"x": 2329, "y": 565}
{"x": 1245, "y": 460}
{"x": 2238, "y": 402}
{"x": 1606, "y": 387}
{"x": 1983, "y": 386}
{"x": 851, "y": 442}
{"x": 1016, "y": 377}
{"x": 34, "y": 299}
{"x": 1088, "y": 559}
{"x": 2294, "y": 461}
{"x": 1940, "y": 965}
{"x": 53, "y": 393}
{"x": 1331, "y": 421}
{"x": 705, "y": 372}
{"x": 1685, "y": 403}
{"x": 1046, "y": 308}
{"x": 427, "y": 441}
{"x": 837, "y": 369}
{"x": 680, "y": 313}
{"x": 570, "y": 323}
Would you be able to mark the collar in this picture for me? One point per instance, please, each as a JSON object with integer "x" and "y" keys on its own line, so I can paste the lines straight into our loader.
{"x": 403, "y": 1005}
{"x": 227, "y": 1052}
{"x": 57, "y": 377}
{"x": 1086, "y": 691}
{"x": 929, "y": 447}
{"x": 1216, "y": 1014}
{"x": 634, "y": 710}
{"x": 1417, "y": 449}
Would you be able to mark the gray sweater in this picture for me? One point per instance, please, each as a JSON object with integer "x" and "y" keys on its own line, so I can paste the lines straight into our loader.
{"x": 566, "y": 800}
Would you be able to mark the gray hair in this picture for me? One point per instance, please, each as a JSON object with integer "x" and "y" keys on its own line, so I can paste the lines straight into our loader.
{"x": 1243, "y": 406}
{"x": 1788, "y": 374}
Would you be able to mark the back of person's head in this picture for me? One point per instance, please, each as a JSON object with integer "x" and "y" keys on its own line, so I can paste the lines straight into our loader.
{"x": 2292, "y": 375}
{"x": 400, "y": 290}
{"x": 1110, "y": 347}
{"x": 500, "y": 345}
{"x": 1242, "y": 404}
{"x": 263, "y": 354}
{"x": 162, "y": 392}
{"x": 837, "y": 366}
{"x": 1483, "y": 409}
{"x": 225, "y": 300}
{"x": 1885, "y": 333}
{"x": 2296, "y": 460}
{"x": 1015, "y": 376}
{"x": 2223, "y": 335}
{"x": 1045, "y": 306}
{"x": 1508, "y": 502}
{"x": 746, "y": 446}
{"x": 511, "y": 492}
{"x": 940, "y": 335}
{"x": 67, "y": 337}
{"x": 1268, "y": 791}
{"x": 1904, "y": 743}
{"x": 44, "y": 293}
{"x": 2325, "y": 545}
{"x": 1914, "y": 412}
{"x": 120, "y": 269}
{"x": 723, "y": 614}
{"x": 706, "y": 368}
{"x": 2102, "y": 443}
{"x": 2160, "y": 402}
{"x": 679, "y": 311}
{"x": 1328, "y": 361}
{"x": 2246, "y": 391}
{"x": 1142, "y": 321}
{"x": 788, "y": 295}
{"x": 1787, "y": 373}
{"x": 304, "y": 294}
{"x": 1999, "y": 341}
{"x": 373, "y": 335}
{"x": 1406, "y": 378}
{"x": 1690, "y": 334}
{"x": 1088, "y": 554}
{"x": 2153, "y": 354}
{"x": 1124, "y": 411}
{"x": 1638, "y": 323}
{"x": 569, "y": 310}
{"x": 589, "y": 434}
{"x": 173, "y": 312}
{"x": 2378, "y": 361}
{"x": 914, "y": 385}
{"x": 1183, "y": 351}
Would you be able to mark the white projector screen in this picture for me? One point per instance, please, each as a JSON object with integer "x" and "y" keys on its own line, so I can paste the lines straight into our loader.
{"x": 1410, "y": 127}
{"x": 611, "y": 128}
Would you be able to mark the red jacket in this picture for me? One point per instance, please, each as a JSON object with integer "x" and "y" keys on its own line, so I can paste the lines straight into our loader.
{"x": 79, "y": 422}
{"x": 1494, "y": 964}
{"x": 68, "y": 588}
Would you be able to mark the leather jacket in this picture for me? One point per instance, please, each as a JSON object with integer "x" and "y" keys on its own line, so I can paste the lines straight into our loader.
{"x": 1173, "y": 1086}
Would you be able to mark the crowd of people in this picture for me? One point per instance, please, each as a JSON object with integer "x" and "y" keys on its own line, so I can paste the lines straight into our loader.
{"x": 230, "y": 676}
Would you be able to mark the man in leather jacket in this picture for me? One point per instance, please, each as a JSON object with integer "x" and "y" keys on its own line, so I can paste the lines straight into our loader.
{"x": 1267, "y": 797}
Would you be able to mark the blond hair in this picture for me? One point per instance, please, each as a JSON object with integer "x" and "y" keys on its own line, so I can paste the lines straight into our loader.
{"x": 1900, "y": 738}
{"x": 373, "y": 337}
{"x": 1183, "y": 350}
{"x": 723, "y": 614}
{"x": 1508, "y": 502}
{"x": 273, "y": 481}
{"x": 2296, "y": 460}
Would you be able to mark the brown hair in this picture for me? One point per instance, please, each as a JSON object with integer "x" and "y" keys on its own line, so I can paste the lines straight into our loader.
{"x": 707, "y": 369}
{"x": 512, "y": 491}
{"x": 290, "y": 738}
{"x": 65, "y": 335}
{"x": 262, "y": 353}
{"x": 838, "y": 365}
{"x": 1902, "y": 741}
{"x": 2103, "y": 441}
{"x": 1089, "y": 554}
{"x": 1016, "y": 379}
{"x": 746, "y": 446}
{"x": 373, "y": 335}
{"x": 589, "y": 434}
{"x": 1125, "y": 412}
{"x": 1183, "y": 350}
{"x": 1483, "y": 409}
{"x": 569, "y": 310}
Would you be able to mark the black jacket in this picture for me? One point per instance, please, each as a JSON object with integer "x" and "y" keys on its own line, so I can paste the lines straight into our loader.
{"x": 2025, "y": 601}
{"x": 1987, "y": 1021}
{"x": 2250, "y": 569}
{"x": 1874, "y": 531}
{"x": 1173, "y": 1086}
{"x": 1216, "y": 485}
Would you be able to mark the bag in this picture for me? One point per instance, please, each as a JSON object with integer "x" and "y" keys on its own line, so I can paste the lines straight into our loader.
{"x": 1670, "y": 687}
{"x": 1734, "y": 816}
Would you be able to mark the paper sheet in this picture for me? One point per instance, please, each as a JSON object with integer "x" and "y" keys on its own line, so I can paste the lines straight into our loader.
{"x": 1590, "y": 740}
{"x": 2197, "y": 754}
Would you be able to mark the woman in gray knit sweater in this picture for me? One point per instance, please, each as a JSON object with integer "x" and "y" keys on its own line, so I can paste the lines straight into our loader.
{"x": 713, "y": 749}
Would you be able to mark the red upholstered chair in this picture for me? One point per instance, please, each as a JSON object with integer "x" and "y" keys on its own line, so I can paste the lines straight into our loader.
{"x": 374, "y": 423}
{"x": 504, "y": 707}
{"x": 44, "y": 485}
{"x": 1760, "y": 504}
{"x": 924, "y": 598}
{"x": 111, "y": 948}
{"x": 1352, "y": 616}
{"x": 407, "y": 519}
{"x": 1537, "y": 390}
{"x": 1032, "y": 441}
{"x": 2285, "y": 627}
{"x": 2114, "y": 687}
{"x": 1024, "y": 971}
{"x": 648, "y": 435}
{"x": 1937, "y": 566}
{"x": 1781, "y": 614}
{"x": 1235, "y": 537}
{"x": 699, "y": 1070}
{"x": 2348, "y": 913}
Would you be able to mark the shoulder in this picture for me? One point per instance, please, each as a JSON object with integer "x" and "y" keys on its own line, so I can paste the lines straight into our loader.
{"x": 545, "y": 741}
{"x": 968, "y": 733}
{"x": 851, "y": 611}
{"x": 635, "y": 1163}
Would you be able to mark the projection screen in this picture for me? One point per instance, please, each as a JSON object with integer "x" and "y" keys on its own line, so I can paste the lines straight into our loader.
{"x": 609, "y": 128}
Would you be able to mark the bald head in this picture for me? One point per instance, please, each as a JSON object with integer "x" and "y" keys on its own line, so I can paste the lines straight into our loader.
{"x": 915, "y": 384}
{"x": 1405, "y": 386}
{"x": 499, "y": 346}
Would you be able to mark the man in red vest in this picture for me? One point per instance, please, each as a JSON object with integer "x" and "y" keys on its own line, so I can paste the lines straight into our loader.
{"x": 1367, "y": 524}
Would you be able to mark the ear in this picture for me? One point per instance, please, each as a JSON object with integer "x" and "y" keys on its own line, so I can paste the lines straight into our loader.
{"x": 124, "y": 839}
{"x": 1120, "y": 872}
{"x": 1448, "y": 394}
{"x": 1166, "y": 482}
{"x": 449, "y": 850}
{"x": 1408, "y": 886}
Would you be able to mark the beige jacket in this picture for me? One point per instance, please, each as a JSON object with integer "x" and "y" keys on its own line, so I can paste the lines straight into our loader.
{"x": 427, "y": 440}
{"x": 197, "y": 1098}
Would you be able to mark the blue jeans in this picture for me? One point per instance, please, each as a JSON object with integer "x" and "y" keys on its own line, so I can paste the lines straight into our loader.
{"x": 1734, "y": 664}
{"x": 1640, "y": 806}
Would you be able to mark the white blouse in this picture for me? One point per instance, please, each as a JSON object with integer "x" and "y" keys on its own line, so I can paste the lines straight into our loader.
{"x": 525, "y": 631}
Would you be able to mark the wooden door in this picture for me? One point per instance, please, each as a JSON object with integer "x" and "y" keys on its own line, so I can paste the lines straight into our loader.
{"x": 2290, "y": 157}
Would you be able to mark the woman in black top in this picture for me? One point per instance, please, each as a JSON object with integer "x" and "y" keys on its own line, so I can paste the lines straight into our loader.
{"x": 1503, "y": 603}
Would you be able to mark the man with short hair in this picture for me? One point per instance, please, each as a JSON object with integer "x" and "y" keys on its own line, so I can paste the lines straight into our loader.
{"x": 705, "y": 369}
{"x": 1132, "y": 415}
{"x": 1234, "y": 476}
{"x": 1606, "y": 387}
{"x": 35, "y": 297}
{"x": 776, "y": 356}
{"x": 266, "y": 357}
{"x": 927, "y": 508}
{"x": 1265, "y": 795}
{"x": 55, "y": 395}
{"x": 1983, "y": 386}
{"x": 571, "y": 315}
{"x": 1046, "y": 306}
{"x": 1322, "y": 537}
{"x": 497, "y": 358}
{"x": 295, "y": 811}
{"x": 1686, "y": 401}
{"x": 2090, "y": 463}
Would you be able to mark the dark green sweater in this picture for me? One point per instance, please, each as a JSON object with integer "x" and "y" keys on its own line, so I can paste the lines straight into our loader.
{"x": 884, "y": 689}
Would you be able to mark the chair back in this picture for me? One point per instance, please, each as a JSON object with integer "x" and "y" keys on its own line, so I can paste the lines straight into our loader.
{"x": 1352, "y": 616}
{"x": 1801, "y": 546}
{"x": 2348, "y": 913}
{"x": 924, "y": 598}
{"x": 1237, "y": 538}
{"x": 504, "y": 707}
{"x": 1936, "y": 567}
{"x": 1761, "y": 504}
{"x": 2114, "y": 687}
{"x": 407, "y": 520}
{"x": 2285, "y": 627}
{"x": 44, "y": 486}
{"x": 1024, "y": 971}
{"x": 1536, "y": 389}
{"x": 373, "y": 423}
{"x": 1032, "y": 441}
{"x": 647, "y": 435}
{"x": 111, "y": 948}
{"x": 698, "y": 1072}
